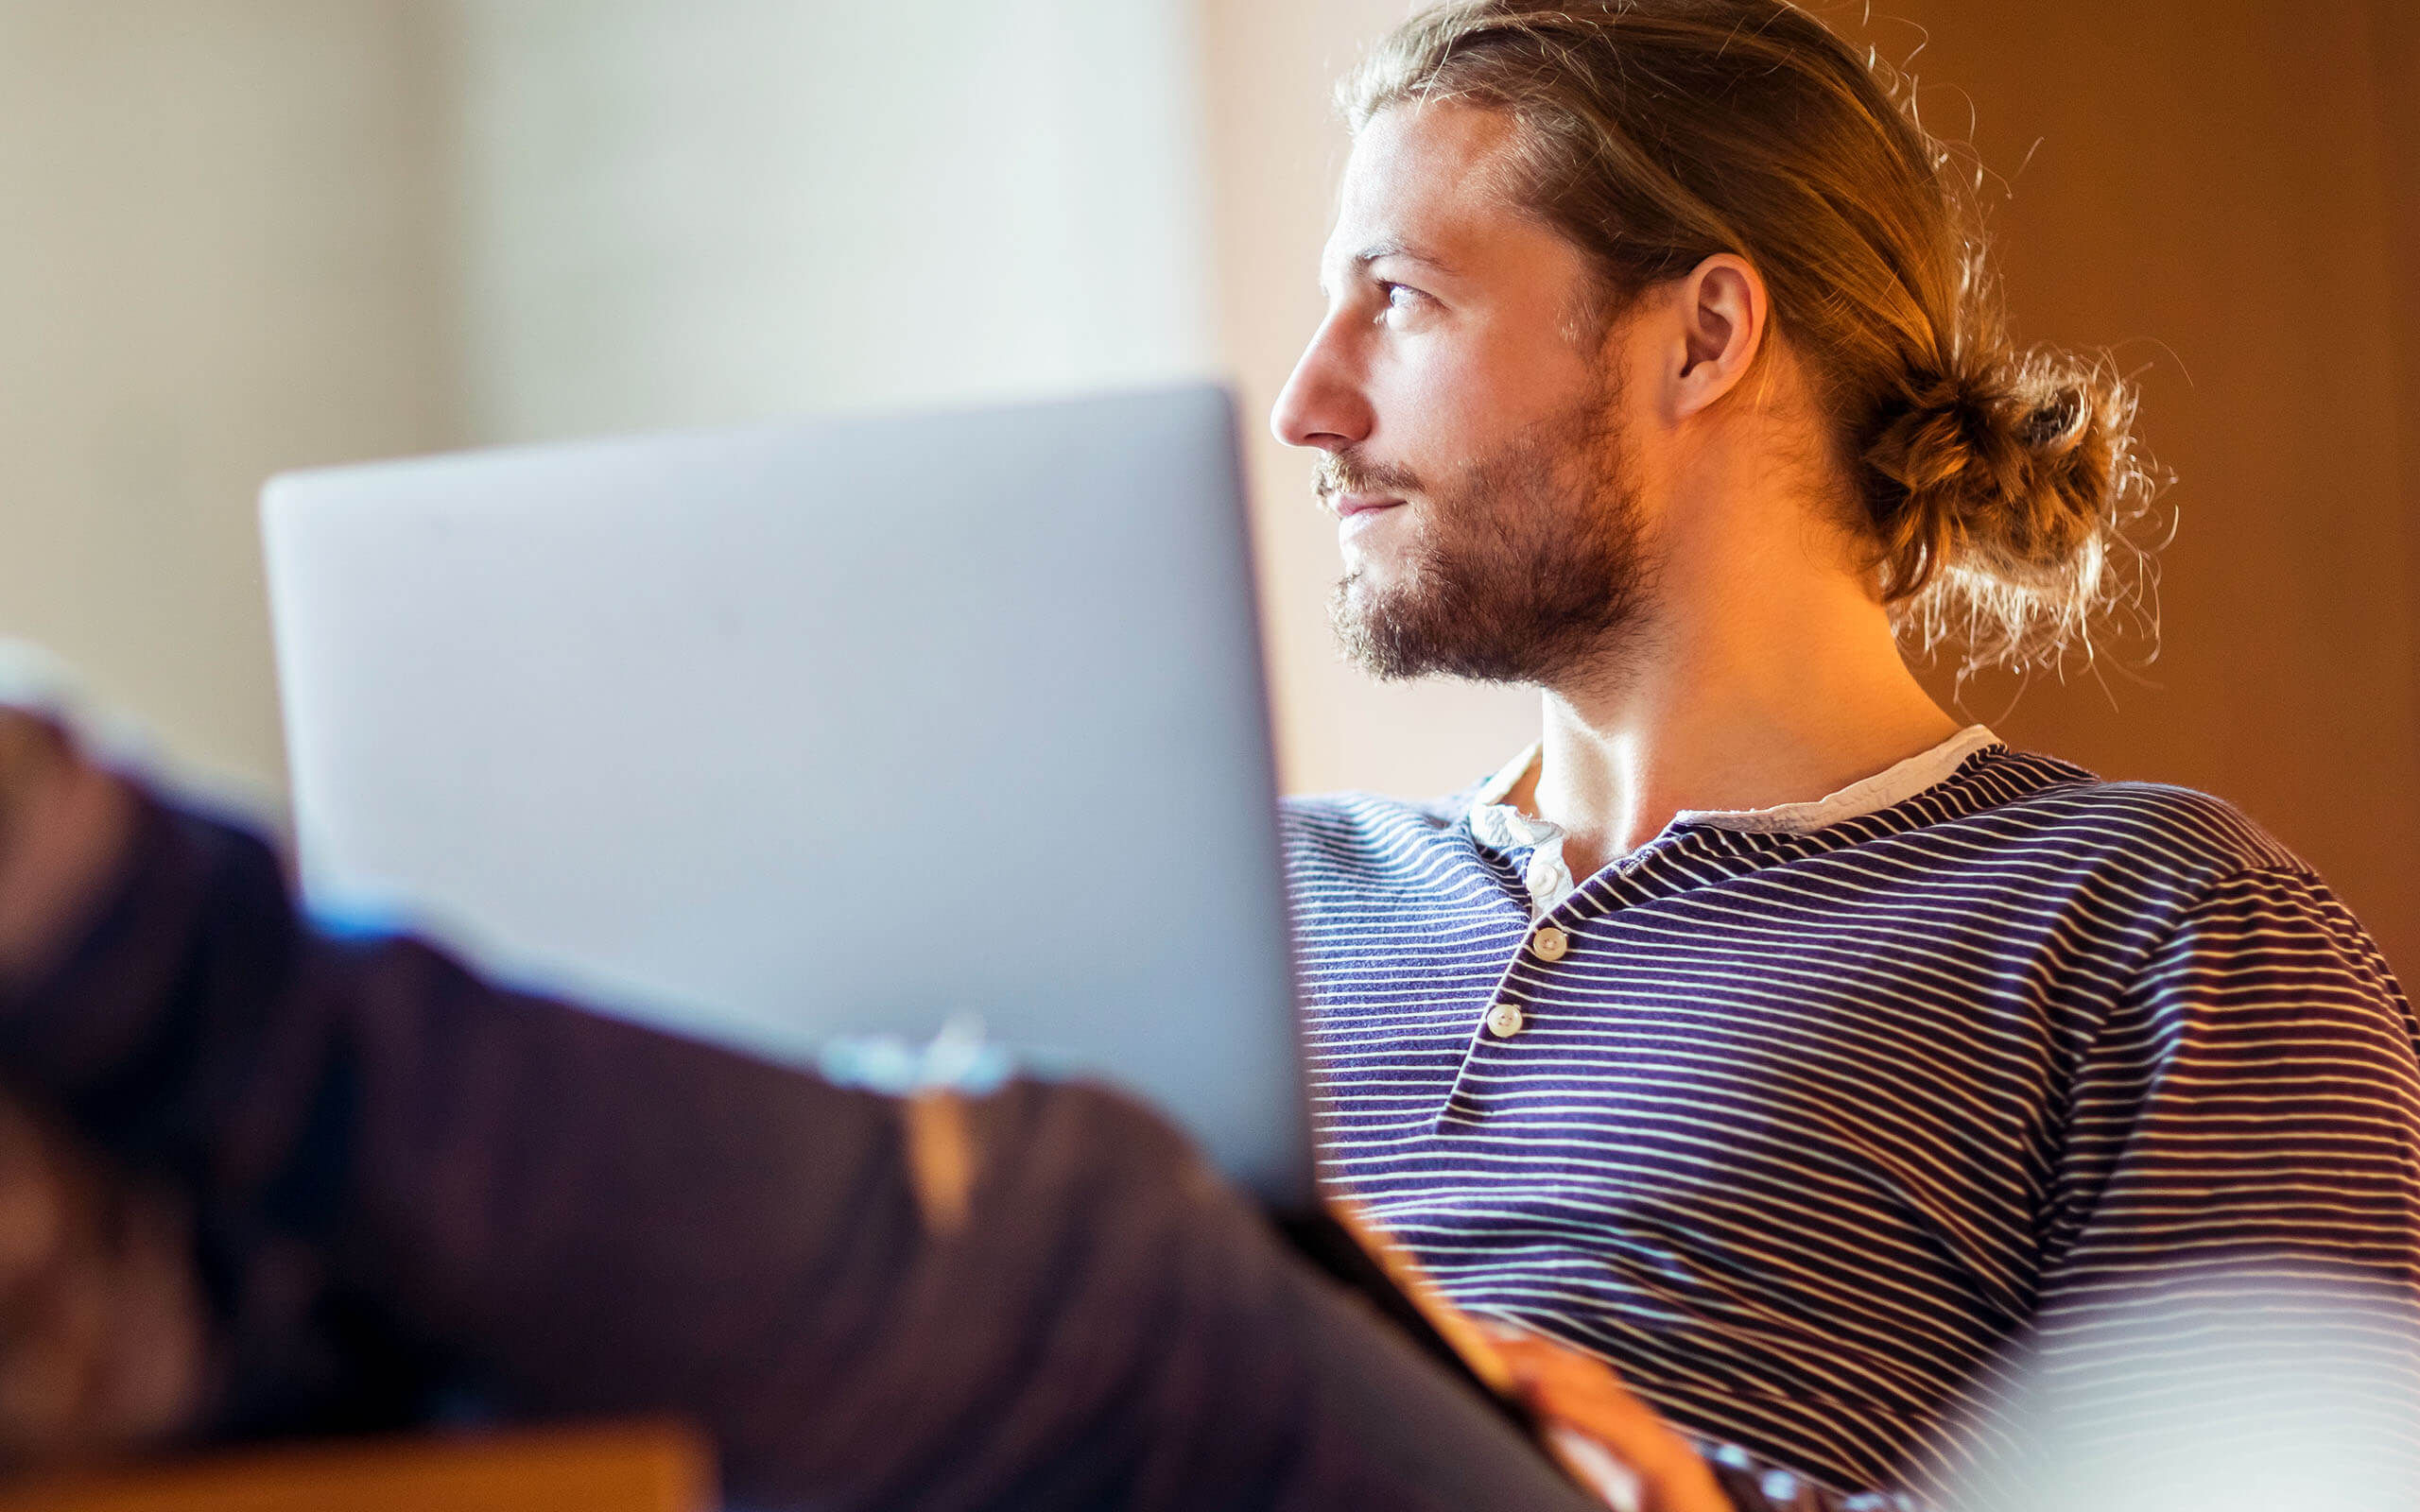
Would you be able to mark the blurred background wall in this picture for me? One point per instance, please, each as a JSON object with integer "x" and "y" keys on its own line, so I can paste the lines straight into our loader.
{"x": 238, "y": 235}
{"x": 222, "y": 252}
{"x": 692, "y": 211}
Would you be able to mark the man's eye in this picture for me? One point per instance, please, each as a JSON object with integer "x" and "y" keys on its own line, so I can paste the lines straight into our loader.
{"x": 1398, "y": 297}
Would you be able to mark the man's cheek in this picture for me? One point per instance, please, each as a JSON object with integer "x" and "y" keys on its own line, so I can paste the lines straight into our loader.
{"x": 1437, "y": 401}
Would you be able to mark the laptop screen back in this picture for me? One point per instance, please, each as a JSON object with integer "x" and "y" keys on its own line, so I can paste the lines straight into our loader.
{"x": 855, "y": 728}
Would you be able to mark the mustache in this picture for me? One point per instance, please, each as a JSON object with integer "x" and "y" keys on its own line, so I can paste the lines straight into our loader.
{"x": 1341, "y": 473}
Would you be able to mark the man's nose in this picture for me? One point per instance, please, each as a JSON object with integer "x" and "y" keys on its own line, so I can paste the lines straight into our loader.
{"x": 1323, "y": 404}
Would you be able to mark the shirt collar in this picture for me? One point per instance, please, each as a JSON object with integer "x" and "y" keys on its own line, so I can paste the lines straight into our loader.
{"x": 1896, "y": 783}
{"x": 1499, "y": 826}
{"x": 1492, "y": 790}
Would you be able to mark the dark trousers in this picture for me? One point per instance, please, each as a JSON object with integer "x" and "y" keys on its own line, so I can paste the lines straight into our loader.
{"x": 420, "y": 1193}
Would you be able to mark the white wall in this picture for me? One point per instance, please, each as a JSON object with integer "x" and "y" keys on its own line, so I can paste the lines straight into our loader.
{"x": 219, "y": 255}
{"x": 682, "y": 211}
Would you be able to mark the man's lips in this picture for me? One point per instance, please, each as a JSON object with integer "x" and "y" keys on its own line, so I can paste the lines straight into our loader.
{"x": 1348, "y": 504}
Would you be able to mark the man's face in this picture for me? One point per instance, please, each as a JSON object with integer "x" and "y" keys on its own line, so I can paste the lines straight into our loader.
{"x": 1474, "y": 449}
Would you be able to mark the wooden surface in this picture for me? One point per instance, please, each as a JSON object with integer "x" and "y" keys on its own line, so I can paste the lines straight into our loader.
{"x": 643, "y": 1468}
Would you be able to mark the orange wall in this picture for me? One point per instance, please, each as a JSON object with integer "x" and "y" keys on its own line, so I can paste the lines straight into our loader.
{"x": 2213, "y": 197}
{"x": 2217, "y": 192}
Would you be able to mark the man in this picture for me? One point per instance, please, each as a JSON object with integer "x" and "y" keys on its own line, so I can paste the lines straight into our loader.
{"x": 1761, "y": 1031}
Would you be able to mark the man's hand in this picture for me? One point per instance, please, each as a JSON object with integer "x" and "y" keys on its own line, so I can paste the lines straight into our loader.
{"x": 1602, "y": 1435}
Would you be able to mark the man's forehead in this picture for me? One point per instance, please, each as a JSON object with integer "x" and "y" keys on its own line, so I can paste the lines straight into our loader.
{"x": 1423, "y": 181}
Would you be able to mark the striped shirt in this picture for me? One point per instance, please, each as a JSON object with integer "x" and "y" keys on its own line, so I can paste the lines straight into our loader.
{"x": 1803, "y": 1125}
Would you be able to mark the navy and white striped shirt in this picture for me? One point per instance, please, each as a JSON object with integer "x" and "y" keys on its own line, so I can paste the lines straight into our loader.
{"x": 1802, "y": 1130}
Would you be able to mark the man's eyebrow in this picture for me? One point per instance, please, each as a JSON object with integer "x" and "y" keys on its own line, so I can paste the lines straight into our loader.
{"x": 1379, "y": 251}
{"x": 1406, "y": 250}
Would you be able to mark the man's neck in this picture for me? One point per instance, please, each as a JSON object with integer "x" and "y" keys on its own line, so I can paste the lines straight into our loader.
{"x": 1754, "y": 705}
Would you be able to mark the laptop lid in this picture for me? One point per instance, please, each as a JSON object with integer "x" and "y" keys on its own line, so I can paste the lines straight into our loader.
{"x": 793, "y": 736}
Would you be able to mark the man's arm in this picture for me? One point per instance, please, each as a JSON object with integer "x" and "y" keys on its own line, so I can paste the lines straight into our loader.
{"x": 2237, "y": 1203}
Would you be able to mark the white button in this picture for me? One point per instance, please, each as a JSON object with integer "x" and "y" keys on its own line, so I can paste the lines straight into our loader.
{"x": 1542, "y": 876}
{"x": 1504, "y": 1020}
{"x": 1549, "y": 943}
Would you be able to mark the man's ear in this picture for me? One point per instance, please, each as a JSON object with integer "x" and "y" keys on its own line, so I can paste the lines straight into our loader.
{"x": 1724, "y": 309}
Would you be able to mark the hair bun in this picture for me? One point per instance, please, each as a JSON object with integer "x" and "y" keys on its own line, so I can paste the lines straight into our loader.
{"x": 2009, "y": 469}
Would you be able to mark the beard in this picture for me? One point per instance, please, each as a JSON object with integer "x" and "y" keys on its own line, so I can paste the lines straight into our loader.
{"x": 1530, "y": 564}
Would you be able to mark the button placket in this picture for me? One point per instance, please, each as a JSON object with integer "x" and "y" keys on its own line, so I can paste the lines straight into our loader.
{"x": 1549, "y": 943}
{"x": 1507, "y": 1015}
{"x": 1506, "y": 1019}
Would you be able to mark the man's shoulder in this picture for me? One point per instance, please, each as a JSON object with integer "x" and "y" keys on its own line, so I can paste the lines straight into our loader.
{"x": 2177, "y": 828}
{"x": 1365, "y": 832}
{"x": 1361, "y": 818}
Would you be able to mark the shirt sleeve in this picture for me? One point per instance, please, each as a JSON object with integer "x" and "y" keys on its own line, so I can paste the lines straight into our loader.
{"x": 2232, "y": 1237}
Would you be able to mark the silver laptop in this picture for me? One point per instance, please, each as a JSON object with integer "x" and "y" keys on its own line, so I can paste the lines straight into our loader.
{"x": 822, "y": 739}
